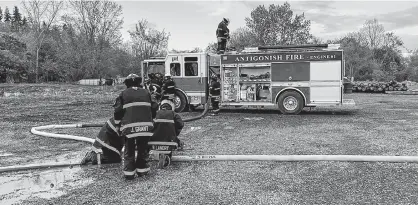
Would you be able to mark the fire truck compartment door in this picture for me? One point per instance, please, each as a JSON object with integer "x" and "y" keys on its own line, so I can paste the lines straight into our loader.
{"x": 326, "y": 84}
{"x": 294, "y": 71}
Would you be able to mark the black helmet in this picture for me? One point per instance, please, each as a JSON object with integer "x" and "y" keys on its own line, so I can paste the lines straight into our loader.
{"x": 133, "y": 80}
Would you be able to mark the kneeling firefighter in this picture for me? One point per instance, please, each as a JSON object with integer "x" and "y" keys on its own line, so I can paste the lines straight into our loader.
{"x": 168, "y": 124}
{"x": 168, "y": 88}
{"x": 109, "y": 142}
{"x": 134, "y": 110}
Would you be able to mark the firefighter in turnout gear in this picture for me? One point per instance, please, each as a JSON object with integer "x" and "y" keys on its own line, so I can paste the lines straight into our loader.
{"x": 134, "y": 111}
{"x": 168, "y": 88}
{"x": 155, "y": 84}
{"x": 109, "y": 142}
{"x": 222, "y": 35}
{"x": 215, "y": 93}
{"x": 168, "y": 124}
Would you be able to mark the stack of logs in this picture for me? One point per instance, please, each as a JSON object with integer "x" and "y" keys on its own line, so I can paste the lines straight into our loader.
{"x": 379, "y": 87}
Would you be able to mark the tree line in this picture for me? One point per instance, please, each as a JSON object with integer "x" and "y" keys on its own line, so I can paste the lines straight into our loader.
{"x": 49, "y": 43}
{"x": 70, "y": 40}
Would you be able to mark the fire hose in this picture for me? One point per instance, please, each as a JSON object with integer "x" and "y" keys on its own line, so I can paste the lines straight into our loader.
{"x": 282, "y": 158}
{"x": 36, "y": 131}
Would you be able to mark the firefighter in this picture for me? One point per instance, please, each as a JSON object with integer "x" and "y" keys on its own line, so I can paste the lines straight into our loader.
{"x": 168, "y": 124}
{"x": 109, "y": 142}
{"x": 154, "y": 85}
{"x": 215, "y": 93}
{"x": 168, "y": 88}
{"x": 134, "y": 111}
{"x": 222, "y": 34}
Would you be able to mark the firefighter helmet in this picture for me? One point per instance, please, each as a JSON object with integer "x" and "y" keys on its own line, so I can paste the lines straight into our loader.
{"x": 167, "y": 75}
{"x": 133, "y": 80}
{"x": 226, "y": 20}
{"x": 215, "y": 76}
{"x": 167, "y": 104}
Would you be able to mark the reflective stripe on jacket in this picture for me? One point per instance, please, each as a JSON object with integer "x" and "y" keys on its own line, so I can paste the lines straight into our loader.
{"x": 215, "y": 89}
{"x": 133, "y": 109}
{"x": 168, "y": 126}
{"x": 169, "y": 87}
{"x": 109, "y": 137}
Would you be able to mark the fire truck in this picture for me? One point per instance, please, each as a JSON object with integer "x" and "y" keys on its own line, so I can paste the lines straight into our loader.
{"x": 286, "y": 77}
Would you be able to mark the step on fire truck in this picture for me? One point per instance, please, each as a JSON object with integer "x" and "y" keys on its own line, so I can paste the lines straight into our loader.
{"x": 288, "y": 77}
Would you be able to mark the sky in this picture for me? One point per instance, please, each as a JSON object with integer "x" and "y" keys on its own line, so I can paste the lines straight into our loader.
{"x": 193, "y": 23}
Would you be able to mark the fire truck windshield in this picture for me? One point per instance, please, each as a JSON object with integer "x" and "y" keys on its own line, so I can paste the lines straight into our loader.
{"x": 154, "y": 67}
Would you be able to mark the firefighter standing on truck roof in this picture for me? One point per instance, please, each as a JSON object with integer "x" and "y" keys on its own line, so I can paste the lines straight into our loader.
{"x": 222, "y": 34}
{"x": 109, "y": 142}
{"x": 168, "y": 124}
{"x": 134, "y": 111}
{"x": 168, "y": 88}
{"x": 215, "y": 93}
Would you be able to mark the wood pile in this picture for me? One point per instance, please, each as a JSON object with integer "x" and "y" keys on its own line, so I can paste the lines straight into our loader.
{"x": 378, "y": 87}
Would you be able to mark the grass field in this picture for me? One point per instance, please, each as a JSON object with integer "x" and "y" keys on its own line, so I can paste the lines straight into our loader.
{"x": 382, "y": 125}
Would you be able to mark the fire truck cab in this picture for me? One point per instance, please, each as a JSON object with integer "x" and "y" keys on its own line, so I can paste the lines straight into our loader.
{"x": 287, "y": 77}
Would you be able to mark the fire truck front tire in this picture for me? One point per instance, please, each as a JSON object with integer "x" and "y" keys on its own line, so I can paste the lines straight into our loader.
{"x": 180, "y": 102}
{"x": 290, "y": 103}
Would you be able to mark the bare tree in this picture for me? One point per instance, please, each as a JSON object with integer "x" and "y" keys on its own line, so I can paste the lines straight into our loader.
{"x": 147, "y": 41}
{"x": 41, "y": 14}
{"x": 99, "y": 23}
{"x": 373, "y": 33}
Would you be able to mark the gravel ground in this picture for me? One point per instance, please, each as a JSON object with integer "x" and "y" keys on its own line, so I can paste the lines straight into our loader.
{"x": 382, "y": 125}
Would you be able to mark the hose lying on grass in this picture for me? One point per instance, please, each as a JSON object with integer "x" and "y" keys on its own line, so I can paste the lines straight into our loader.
{"x": 283, "y": 158}
{"x": 36, "y": 131}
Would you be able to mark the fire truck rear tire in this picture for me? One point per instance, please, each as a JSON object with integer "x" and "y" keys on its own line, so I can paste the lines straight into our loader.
{"x": 183, "y": 102}
{"x": 296, "y": 105}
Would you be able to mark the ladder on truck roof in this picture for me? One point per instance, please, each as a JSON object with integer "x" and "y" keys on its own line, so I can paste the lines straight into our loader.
{"x": 290, "y": 48}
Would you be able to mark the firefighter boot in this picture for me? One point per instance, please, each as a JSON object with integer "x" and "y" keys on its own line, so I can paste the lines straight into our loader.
{"x": 129, "y": 156}
{"x": 180, "y": 145}
{"x": 89, "y": 157}
{"x": 142, "y": 166}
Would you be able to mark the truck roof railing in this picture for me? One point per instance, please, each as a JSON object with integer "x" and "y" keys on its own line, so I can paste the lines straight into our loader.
{"x": 156, "y": 57}
{"x": 292, "y": 47}
{"x": 298, "y": 46}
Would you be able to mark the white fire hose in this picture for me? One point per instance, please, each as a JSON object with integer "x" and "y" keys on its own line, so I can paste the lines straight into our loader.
{"x": 283, "y": 158}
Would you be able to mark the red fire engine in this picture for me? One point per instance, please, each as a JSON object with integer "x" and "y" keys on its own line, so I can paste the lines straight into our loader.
{"x": 287, "y": 77}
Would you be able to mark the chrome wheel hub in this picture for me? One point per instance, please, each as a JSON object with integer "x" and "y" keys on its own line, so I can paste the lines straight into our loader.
{"x": 290, "y": 103}
{"x": 177, "y": 101}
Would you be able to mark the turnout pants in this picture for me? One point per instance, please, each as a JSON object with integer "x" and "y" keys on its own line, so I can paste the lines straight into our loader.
{"x": 221, "y": 45}
{"x": 110, "y": 143}
{"x": 110, "y": 156}
{"x": 140, "y": 164}
{"x": 215, "y": 103}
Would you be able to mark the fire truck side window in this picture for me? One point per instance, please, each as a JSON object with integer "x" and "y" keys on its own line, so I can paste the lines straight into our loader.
{"x": 175, "y": 69}
{"x": 191, "y": 66}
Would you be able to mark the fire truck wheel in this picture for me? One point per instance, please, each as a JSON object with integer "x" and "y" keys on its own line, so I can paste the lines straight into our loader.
{"x": 290, "y": 103}
{"x": 180, "y": 102}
